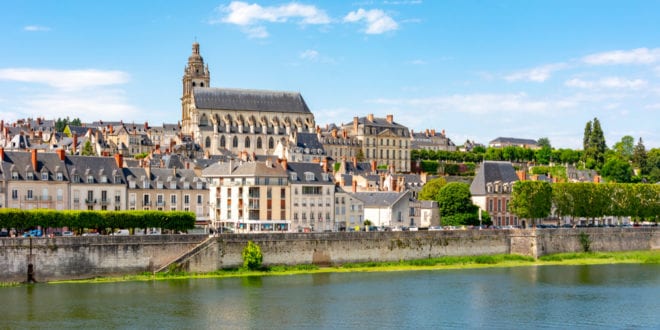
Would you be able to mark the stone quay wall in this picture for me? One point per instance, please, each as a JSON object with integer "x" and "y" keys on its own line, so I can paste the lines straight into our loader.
{"x": 87, "y": 257}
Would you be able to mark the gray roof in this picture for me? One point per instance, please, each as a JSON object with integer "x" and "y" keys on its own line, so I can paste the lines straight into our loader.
{"x": 379, "y": 198}
{"x": 247, "y": 99}
{"x": 308, "y": 140}
{"x": 97, "y": 167}
{"x": 491, "y": 171}
{"x": 236, "y": 168}
{"x": 301, "y": 168}
{"x": 513, "y": 140}
{"x": 21, "y": 162}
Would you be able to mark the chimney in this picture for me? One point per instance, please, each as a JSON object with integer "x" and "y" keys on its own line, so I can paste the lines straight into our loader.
{"x": 355, "y": 125}
{"x": 433, "y": 132}
{"x": 334, "y": 133}
{"x": 325, "y": 164}
{"x": 354, "y": 159}
{"x": 370, "y": 117}
{"x": 2, "y": 154}
{"x": 596, "y": 178}
{"x": 344, "y": 133}
{"x": 2, "y": 125}
{"x": 75, "y": 143}
{"x": 342, "y": 181}
{"x": 443, "y": 132}
{"x": 119, "y": 159}
{"x": 373, "y": 166}
{"x": 146, "y": 125}
{"x": 522, "y": 175}
{"x": 172, "y": 143}
{"x": 354, "y": 186}
{"x": 285, "y": 164}
{"x": 390, "y": 118}
{"x": 112, "y": 129}
{"x": 60, "y": 153}
{"x": 34, "y": 159}
{"x": 427, "y": 132}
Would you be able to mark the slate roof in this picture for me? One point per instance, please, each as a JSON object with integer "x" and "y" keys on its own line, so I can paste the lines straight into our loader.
{"x": 511, "y": 140}
{"x": 94, "y": 166}
{"x": 491, "y": 171}
{"x": 248, "y": 99}
{"x": 237, "y": 168}
{"x": 301, "y": 168}
{"x": 21, "y": 162}
{"x": 379, "y": 198}
{"x": 308, "y": 140}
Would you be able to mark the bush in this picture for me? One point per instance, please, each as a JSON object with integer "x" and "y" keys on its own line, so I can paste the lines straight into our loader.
{"x": 252, "y": 257}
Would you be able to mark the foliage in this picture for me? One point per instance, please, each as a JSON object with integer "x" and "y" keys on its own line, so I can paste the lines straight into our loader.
{"x": 585, "y": 241}
{"x": 544, "y": 142}
{"x": 88, "y": 149}
{"x": 252, "y": 257}
{"x": 617, "y": 170}
{"x": 429, "y": 166}
{"x": 100, "y": 220}
{"x": 594, "y": 145}
{"x": 531, "y": 199}
{"x": 455, "y": 198}
{"x": 359, "y": 156}
{"x": 639, "y": 157}
{"x": 62, "y": 123}
{"x": 431, "y": 189}
{"x": 336, "y": 166}
{"x": 543, "y": 155}
{"x": 624, "y": 148}
{"x": 554, "y": 171}
{"x": 141, "y": 155}
{"x": 367, "y": 223}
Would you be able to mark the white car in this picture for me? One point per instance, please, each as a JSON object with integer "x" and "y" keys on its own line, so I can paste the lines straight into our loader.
{"x": 435, "y": 228}
{"x": 413, "y": 228}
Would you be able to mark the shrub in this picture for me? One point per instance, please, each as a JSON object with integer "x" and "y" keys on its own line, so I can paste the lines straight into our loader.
{"x": 252, "y": 257}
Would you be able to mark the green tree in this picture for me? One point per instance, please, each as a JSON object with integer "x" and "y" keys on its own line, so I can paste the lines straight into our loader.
{"x": 597, "y": 142}
{"x": 88, "y": 149}
{"x": 455, "y": 198}
{"x": 531, "y": 199}
{"x": 639, "y": 158}
{"x": 617, "y": 170}
{"x": 586, "y": 136}
{"x": 624, "y": 148}
{"x": 543, "y": 155}
{"x": 544, "y": 142}
{"x": 431, "y": 189}
{"x": 359, "y": 156}
{"x": 252, "y": 257}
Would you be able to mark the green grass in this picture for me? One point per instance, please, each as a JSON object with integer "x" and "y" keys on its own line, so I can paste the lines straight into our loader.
{"x": 446, "y": 262}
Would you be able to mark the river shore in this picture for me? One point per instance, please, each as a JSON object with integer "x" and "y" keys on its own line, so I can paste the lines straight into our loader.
{"x": 442, "y": 263}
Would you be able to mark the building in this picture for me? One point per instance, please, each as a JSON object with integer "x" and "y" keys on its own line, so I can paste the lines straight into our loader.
{"x": 339, "y": 145}
{"x": 491, "y": 191}
{"x": 313, "y": 196}
{"x": 502, "y": 142}
{"x": 249, "y": 195}
{"x": 389, "y": 209}
{"x": 430, "y": 140}
{"x": 349, "y": 210}
{"x": 383, "y": 140}
{"x": 237, "y": 120}
{"x": 96, "y": 183}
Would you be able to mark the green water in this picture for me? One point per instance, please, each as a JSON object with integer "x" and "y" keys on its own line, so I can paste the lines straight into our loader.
{"x": 561, "y": 297}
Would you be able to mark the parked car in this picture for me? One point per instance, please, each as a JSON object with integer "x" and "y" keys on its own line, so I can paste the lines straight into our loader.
{"x": 413, "y": 228}
{"x": 4, "y": 233}
{"x": 435, "y": 228}
{"x": 67, "y": 233}
{"x": 121, "y": 232}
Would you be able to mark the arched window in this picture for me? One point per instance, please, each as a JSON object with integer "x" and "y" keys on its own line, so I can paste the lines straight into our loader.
{"x": 259, "y": 143}
{"x": 234, "y": 143}
{"x": 194, "y": 84}
{"x": 271, "y": 143}
{"x": 247, "y": 142}
{"x": 203, "y": 121}
{"x": 223, "y": 143}
{"x": 207, "y": 143}
{"x": 201, "y": 84}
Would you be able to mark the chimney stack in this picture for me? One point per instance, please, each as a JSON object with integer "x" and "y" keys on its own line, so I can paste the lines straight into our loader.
{"x": 433, "y": 132}
{"x": 325, "y": 164}
{"x": 2, "y": 154}
{"x": 119, "y": 159}
{"x": 522, "y": 175}
{"x": 355, "y": 125}
{"x": 390, "y": 118}
{"x": 354, "y": 186}
{"x": 334, "y": 132}
{"x": 370, "y": 117}
{"x": 285, "y": 164}
{"x": 373, "y": 166}
{"x": 34, "y": 160}
{"x": 75, "y": 143}
{"x": 354, "y": 159}
{"x": 60, "y": 153}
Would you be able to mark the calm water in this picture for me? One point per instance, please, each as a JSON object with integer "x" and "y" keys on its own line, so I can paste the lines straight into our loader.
{"x": 606, "y": 296}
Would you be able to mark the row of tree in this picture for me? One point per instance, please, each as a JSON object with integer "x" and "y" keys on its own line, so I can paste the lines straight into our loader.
{"x": 537, "y": 199}
{"x": 98, "y": 220}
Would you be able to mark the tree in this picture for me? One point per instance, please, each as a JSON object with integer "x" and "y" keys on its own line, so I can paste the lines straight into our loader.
{"x": 455, "y": 198}
{"x": 359, "y": 156}
{"x": 594, "y": 145}
{"x": 587, "y": 136}
{"x": 252, "y": 257}
{"x": 624, "y": 148}
{"x": 544, "y": 142}
{"x": 543, "y": 155}
{"x": 431, "y": 189}
{"x": 88, "y": 149}
{"x": 639, "y": 157}
{"x": 617, "y": 170}
{"x": 531, "y": 199}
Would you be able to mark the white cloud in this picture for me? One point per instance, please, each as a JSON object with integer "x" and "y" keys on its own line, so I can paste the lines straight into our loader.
{"x": 474, "y": 103}
{"x": 417, "y": 62}
{"x": 538, "y": 74}
{"x": 635, "y": 56}
{"x": 65, "y": 79}
{"x": 86, "y": 106}
{"x": 609, "y": 82}
{"x": 36, "y": 28}
{"x": 251, "y": 16}
{"x": 377, "y": 21}
{"x": 309, "y": 54}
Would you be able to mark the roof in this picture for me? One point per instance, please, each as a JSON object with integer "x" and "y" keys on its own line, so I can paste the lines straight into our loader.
{"x": 379, "y": 198}
{"x": 513, "y": 140}
{"x": 301, "y": 168}
{"x": 96, "y": 167}
{"x": 238, "y": 168}
{"x": 248, "y": 99}
{"x": 489, "y": 172}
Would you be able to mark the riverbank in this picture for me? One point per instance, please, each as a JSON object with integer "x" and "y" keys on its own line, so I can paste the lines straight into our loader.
{"x": 442, "y": 263}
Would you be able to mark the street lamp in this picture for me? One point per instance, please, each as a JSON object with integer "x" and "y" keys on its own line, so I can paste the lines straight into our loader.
{"x": 479, "y": 210}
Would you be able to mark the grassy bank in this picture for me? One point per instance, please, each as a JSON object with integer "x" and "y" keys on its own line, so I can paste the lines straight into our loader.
{"x": 449, "y": 262}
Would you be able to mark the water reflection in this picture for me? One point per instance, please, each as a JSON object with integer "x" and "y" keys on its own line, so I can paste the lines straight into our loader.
{"x": 522, "y": 297}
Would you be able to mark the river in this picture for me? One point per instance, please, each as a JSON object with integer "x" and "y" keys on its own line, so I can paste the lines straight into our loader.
{"x": 561, "y": 297}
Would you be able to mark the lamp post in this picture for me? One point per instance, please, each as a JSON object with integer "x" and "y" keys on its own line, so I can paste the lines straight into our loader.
{"x": 479, "y": 210}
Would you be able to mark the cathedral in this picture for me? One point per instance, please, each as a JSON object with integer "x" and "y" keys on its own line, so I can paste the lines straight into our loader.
{"x": 227, "y": 121}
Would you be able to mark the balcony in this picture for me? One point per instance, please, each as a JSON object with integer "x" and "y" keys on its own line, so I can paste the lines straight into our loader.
{"x": 161, "y": 203}
{"x": 146, "y": 203}
{"x": 89, "y": 201}
{"x": 105, "y": 201}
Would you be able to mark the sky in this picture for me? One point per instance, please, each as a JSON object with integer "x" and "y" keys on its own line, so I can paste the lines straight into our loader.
{"x": 476, "y": 69}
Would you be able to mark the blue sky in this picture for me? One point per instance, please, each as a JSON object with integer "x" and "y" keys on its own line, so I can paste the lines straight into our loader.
{"x": 477, "y": 69}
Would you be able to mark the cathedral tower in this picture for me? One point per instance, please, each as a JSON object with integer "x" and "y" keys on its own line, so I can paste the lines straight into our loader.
{"x": 195, "y": 74}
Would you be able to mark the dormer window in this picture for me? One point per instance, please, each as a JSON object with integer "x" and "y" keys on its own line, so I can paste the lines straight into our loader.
{"x": 59, "y": 176}
{"x": 44, "y": 176}
{"x": 76, "y": 178}
{"x": 199, "y": 185}
{"x": 104, "y": 179}
{"x": 325, "y": 176}
{"x": 132, "y": 184}
{"x": 117, "y": 178}
{"x": 159, "y": 185}
{"x": 30, "y": 176}
{"x": 309, "y": 176}
{"x": 294, "y": 176}
{"x": 186, "y": 185}
{"x": 489, "y": 187}
{"x": 90, "y": 179}
{"x": 172, "y": 184}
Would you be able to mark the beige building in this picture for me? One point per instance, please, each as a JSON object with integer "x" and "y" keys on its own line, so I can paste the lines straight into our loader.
{"x": 224, "y": 120}
{"x": 96, "y": 183}
{"x": 383, "y": 140}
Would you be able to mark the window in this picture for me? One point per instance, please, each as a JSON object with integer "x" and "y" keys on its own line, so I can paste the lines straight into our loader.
{"x": 44, "y": 176}
{"x": 90, "y": 179}
{"x": 14, "y": 175}
{"x": 30, "y": 196}
{"x": 104, "y": 179}
{"x": 14, "y": 194}
{"x": 207, "y": 142}
{"x": 259, "y": 143}
{"x": 117, "y": 197}
{"x": 30, "y": 176}
{"x": 199, "y": 199}
{"x": 282, "y": 193}
{"x": 186, "y": 199}
{"x": 271, "y": 143}
{"x": 159, "y": 200}
{"x": 234, "y": 142}
{"x": 173, "y": 199}
{"x": 247, "y": 142}
{"x": 145, "y": 200}
{"x": 60, "y": 195}
{"x": 223, "y": 143}
{"x": 59, "y": 176}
